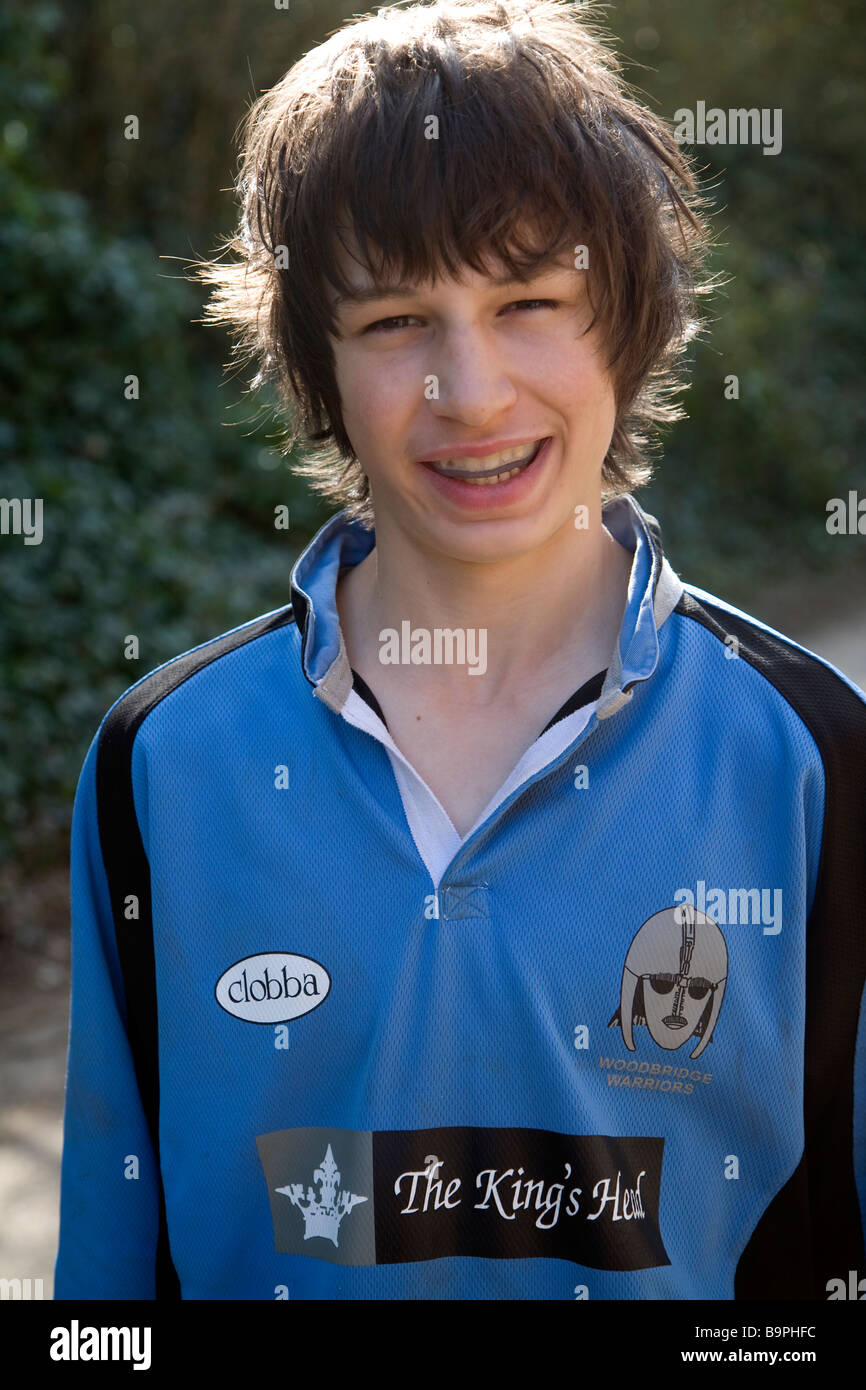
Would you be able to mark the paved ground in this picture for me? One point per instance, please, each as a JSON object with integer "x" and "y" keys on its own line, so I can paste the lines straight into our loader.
{"x": 34, "y": 981}
{"x": 34, "y": 1018}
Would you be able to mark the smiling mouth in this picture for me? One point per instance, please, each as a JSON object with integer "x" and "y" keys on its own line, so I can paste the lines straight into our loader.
{"x": 497, "y": 472}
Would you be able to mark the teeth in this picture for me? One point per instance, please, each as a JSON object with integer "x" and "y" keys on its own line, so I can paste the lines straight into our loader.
{"x": 516, "y": 455}
{"x": 497, "y": 478}
{"x": 484, "y": 467}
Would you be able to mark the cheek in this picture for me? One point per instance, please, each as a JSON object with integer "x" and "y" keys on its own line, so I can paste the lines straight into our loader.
{"x": 577, "y": 374}
{"x": 373, "y": 399}
{"x": 652, "y": 1003}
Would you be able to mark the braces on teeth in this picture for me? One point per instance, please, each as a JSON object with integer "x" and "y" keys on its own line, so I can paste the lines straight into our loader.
{"x": 500, "y": 477}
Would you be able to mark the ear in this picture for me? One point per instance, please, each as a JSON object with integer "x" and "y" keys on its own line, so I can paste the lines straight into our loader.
{"x": 718, "y": 996}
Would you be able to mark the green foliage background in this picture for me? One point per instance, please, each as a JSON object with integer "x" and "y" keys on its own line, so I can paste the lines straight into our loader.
{"x": 159, "y": 518}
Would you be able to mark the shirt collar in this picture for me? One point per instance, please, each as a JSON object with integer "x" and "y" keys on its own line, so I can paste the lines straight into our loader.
{"x": 654, "y": 590}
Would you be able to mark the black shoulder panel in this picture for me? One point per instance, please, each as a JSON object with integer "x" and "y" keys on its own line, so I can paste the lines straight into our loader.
{"x": 128, "y": 872}
{"x": 812, "y": 1229}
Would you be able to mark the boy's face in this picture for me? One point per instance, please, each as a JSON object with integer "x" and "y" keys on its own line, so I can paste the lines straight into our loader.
{"x": 430, "y": 372}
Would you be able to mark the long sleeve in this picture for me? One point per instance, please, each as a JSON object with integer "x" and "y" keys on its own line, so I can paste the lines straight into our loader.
{"x": 109, "y": 1205}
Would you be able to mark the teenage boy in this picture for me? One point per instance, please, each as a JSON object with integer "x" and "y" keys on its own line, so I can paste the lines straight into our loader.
{"x": 487, "y": 923}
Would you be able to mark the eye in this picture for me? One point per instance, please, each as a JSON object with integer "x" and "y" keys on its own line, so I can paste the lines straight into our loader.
{"x": 545, "y": 303}
{"x": 662, "y": 984}
{"x": 401, "y": 320}
{"x": 380, "y": 325}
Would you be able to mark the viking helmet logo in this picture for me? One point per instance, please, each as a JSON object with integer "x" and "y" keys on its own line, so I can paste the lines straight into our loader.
{"x": 673, "y": 980}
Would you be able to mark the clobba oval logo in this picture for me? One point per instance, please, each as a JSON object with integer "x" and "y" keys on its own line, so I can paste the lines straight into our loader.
{"x": 272, "y": 987}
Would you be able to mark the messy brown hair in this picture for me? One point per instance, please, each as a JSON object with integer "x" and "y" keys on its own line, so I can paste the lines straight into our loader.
{"x": 534, "y": 118}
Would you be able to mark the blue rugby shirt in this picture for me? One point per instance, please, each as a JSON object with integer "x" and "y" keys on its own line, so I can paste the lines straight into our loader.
{"x": 610, "y": 1044}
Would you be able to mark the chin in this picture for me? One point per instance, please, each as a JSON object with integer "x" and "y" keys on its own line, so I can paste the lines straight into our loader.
{"x": 487, "y": 539}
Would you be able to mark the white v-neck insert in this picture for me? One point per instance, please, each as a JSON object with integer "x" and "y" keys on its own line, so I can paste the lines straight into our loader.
{"x": 432, "y": 829}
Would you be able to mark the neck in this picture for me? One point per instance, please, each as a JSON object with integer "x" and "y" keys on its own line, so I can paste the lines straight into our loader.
{"x": 555, "y": 609}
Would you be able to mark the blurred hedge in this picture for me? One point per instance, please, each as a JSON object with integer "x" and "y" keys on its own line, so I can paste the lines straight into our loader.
{"x": 743, "y": 488}
{"x": 158, "y": 520}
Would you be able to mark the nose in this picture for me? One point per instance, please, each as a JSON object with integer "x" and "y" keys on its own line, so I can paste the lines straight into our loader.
{"x": 469, "y": 378}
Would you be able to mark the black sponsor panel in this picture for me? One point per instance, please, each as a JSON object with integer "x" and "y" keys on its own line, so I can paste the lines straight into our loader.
{"x": 518, "y": 1194}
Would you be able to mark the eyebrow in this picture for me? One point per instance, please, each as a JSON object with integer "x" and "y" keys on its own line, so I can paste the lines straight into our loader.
{"x": 376, "y": 291}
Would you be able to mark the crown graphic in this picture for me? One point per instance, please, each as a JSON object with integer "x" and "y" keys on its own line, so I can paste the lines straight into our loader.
{"x": 323, "y": 1213}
